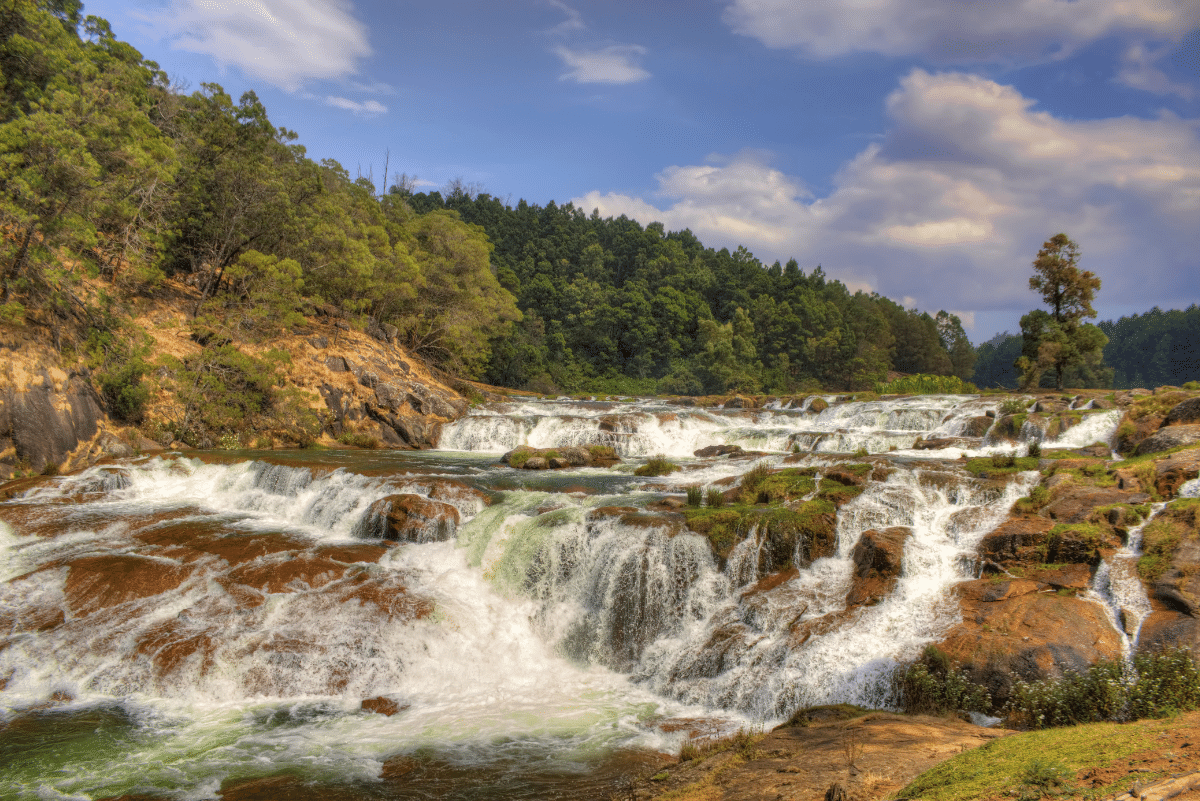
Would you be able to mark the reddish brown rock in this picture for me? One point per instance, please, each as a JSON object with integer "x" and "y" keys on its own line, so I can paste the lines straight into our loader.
{"x": 878, "y": 559}
{"x": 98, "y": 582}
{"x": 1013, "y": 538}
{"x": 1011, "y": 631}
{"x": 365, "y": 552}
{"x": 382, "y": 705}
{"x": 1074, "y": 502}
{"x": 288, "y": 575}
{"x": 977, "y": 426}
{"x": 1165, "y": 629}
{"x": 1174, "y": 470}
{"x": 412, "y": 518}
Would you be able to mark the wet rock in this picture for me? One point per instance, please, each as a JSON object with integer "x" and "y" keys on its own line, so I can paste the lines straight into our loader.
{"x": 536, "y": 463}
{"x": 977, "y": 426}
{"x": 740, "y": 402}
{"x": 1186, "y": 412}
{"x": 1051, "y": 406}
{"x": 1170, "y": 437}
{"x": 1011, "y": 631}
{"x": 1014, "y": 538}
{"x": 290, "y": 574}
{"x": 382, "y": 705}
{"x": 718, "y": 450}
{"x": 99, "y": 582}
{"x": 467, "y": 500}
{"x": 411, "y": 518}
{"x": 1174, "y": 470}
{"x": 108, "y": 446}
{"x": 818, "y": 405}
{"x": 1103, "y": 403}
{"x": 938, "y": 443}
{"x": 1068, "y": 577}
{"x": 878, "y": 557}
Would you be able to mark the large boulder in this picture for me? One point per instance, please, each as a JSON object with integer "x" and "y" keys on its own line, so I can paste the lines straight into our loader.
{"x": 1015, "y": 539}
{"x": 410, "y": 518}
{"x": 1012, "y": 630}
{"x": 878, "y": 558}
{"x": 46, "y": 415}
{"x": 1169, "y": 437}
{"x": 1074, "y": 503}
{"x": 1186, "y": 412}
{"x": 1175, "y": 470}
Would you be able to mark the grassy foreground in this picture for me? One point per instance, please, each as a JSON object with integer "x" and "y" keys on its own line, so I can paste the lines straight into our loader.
{"x": 1086, "y": 761}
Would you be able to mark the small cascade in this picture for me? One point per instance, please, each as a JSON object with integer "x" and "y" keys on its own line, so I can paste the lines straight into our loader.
{"x": 1118, "y": 586}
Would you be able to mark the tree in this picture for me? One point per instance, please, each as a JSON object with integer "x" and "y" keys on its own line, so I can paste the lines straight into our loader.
{"x": 1060, "y": 339}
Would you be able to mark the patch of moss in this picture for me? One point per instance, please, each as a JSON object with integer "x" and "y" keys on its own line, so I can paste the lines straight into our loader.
{"x": 786, "y": 485}
{"x": 658, "y": 466}
{"x": 813, "y": 524}
{"x": 984, "y": 467}
{"x": 1160, "y": 538}
{"x": 837, "y": 493}
{"x": 1076, "y": 542}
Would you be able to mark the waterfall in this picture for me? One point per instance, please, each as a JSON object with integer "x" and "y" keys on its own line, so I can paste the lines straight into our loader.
{"x": 1119, "y": 588}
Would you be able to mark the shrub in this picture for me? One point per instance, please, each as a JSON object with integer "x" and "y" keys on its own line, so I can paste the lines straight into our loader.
{"x": 932, "y": 686}
{"x": 51, "y": 469}
{"x": 1003, "y": 460}
{"x": 1097, "y": 695}
{"x": 1038, "y": 498}
{"x": 922, "y": 384}
{"x": 657, "y": 466}
{"x": 695, "y": 496}
{"x": 752, "y": 482}
{"x": 602, "y": 452}
{"x": 1043, "y": 777}
{"x": 1167, "y": 683}
{"x": 519, "y": 458}
{"x": 1012, "y": 406}
{"x": 124, "y": 392}
{"x": 716, "y": 498}
{"x": 1191, "y": 386}
{"x": 359, "y": 440}
{"x": 1034, "y": 450}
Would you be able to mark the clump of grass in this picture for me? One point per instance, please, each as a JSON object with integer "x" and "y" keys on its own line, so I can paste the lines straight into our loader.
{"x": 359, "y": 440}
{"x": 519, "y": 458}
{"x": 51, "y": 469}
{"x": 1034, "y": 450}
{"x": 1031, "y": 504}
{"x": 695, "y": 496}
{"x": 602, "y": 452}
{"x": 1003, "y": 460}
{"x": 657, "y": 466}
{"x": 716, "y": 498}
{"x": 1043, "y": 777}
{"x": 752, "y": 484}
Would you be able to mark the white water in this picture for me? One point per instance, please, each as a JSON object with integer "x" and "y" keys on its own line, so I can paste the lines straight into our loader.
{"x": 1118, "y": 586}
{"x": 550, "y": 629}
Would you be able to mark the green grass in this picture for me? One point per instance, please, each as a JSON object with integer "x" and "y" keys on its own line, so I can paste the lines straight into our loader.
{"x": 1001, "y": 765}
{"x": 985, "y": 467}
{"x": 657, "y": 466}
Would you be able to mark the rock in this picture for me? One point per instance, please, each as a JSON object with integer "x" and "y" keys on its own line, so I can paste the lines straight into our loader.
{"x": 46, "y": 419}
{"x": 1009, "y": 631}
{"x": 1169, "y": 437}
{"x": 977, "y": 426}
{"x": 878, "y": 557}
{"x": 411, "y": 518}
{"x": 1051, "y": 406}
{"x": 558, "y": 463}
{"x": 536, "y": 463}
{"x": 1014, "y": 537}
{"x": 1175, "y": 470}
{"x": 1166, "y": 629}
{"x": 1075, "y": 502}
{"x": 835, "y": 793}
{"x": 1098, "y": 451}
{"x": 818, "y": 405}
{"x": 719, "y": 450}
{"x": 1186, "y": 412}
{"x": 99, "y": 582}
{"x": 319, "y": 342}
{"x": 336, "y": 364}
{"x": 1103, "y": 403}
{"x": 938, "y": 443}
{"x": 1068, "y": 577}
{"x": 382, "y": 705}
{"x": 740, "y": 402}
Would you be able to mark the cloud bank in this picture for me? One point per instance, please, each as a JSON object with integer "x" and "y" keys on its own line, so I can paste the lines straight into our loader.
{"x": 956, "y": 30}
{"x": 950, "y": 207}
{"x": 283, "y": 42}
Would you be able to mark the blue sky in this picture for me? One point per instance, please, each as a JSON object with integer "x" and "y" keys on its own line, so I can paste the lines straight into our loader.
{"x": 923, "y": 149}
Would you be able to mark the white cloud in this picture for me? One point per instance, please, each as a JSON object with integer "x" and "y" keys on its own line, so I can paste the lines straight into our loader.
{"x": 954, "y": 202}
{"x": 283, "y": 42}
{"x": 614, "y": 64}
{"x": 573, "y": 22}
{"x": 1139, "y": 71}
{"x": 370, "y": 108}
{"x": 956, "y": 30}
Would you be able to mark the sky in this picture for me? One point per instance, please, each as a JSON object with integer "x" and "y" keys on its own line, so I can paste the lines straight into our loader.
{"x": 921, "y": 149}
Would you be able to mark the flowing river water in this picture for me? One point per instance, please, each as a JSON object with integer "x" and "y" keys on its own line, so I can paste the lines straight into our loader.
{"x": 170, "y": 626}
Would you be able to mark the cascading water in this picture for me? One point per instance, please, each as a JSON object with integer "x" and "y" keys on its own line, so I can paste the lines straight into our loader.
{"x": 192, "y": 624}
{"x": 1117, "y": 585}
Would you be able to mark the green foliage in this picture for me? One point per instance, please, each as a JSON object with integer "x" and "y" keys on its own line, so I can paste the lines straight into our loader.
{"x": 359, "y": 440}
{"x": 999, "y": 465}
{"x": 124, "y": 392}
{"x": 1167, "y": 683}
{"x": 1096, "y": 695}
{"x": 1059, "y": 339}
{"x": 716, "y": 498}
{"x": 1043, "y": 777}
{"x": 656, "y": 466}
{"x": 222, "y": 390}
{"x": 1034, "y": 449}
{"x": 1038, "y": 497}
{"x": 1012, "y": 406}
{"x": 921, "y": 384}
{"x": 751, "y": 483}
{"x": 695, "y": 496}
{"x": 602, "y": 452}
{"x": 933, "y": 686}
{"x": 520, "y": 457}
{"x": 51, "y": 469}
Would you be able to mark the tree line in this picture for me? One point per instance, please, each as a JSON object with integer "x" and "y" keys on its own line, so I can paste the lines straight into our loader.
{"x": 109, "y": 172}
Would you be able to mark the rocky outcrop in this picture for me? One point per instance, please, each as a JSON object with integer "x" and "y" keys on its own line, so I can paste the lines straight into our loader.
{"x": 1016, "y": 629}
{"x": 1169, "y": 437}
{"x": 410, "y": 518}
{"x": 527, "y": 458}
{"x": 878, "y": 558}
{"x": 1187, "y": 411}
{"x": 49, "y": 418}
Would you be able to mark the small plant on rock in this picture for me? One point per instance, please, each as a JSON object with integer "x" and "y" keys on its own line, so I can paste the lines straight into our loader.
{"x": 716, "y": 498}
{"x": 695, "y": 496}
{"x": 657, "y": 466}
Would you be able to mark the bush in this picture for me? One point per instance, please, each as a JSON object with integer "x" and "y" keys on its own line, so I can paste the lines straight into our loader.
{"x": 716, "y": 498}
{"x": 657, "y": 466}
{"x": 1099, "y": 694}
{"x": 1167, "y": 683}
{"x": 922, "y": 384}
{"x": 124, "y": 392}
{"x": 1012, "y": 406}
{"x": 752, "y": 481}
{"x": 932, "y": 686}
{"x": 1043, "y": 777}
{"x": 359, "y": 440}
{"x": 1004, "y": 460}
{"x": 519, "y": 458}
{"x": 1034, "y": 450}
{"x": 695, "y": 496}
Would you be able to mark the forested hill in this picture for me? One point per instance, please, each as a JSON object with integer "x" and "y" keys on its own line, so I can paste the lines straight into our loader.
{"x": 113, "y": 181}
{"x": 607, "y": 303}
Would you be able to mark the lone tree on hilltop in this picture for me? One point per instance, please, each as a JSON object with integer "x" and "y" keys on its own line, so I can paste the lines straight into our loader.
{"x": 1060, "y": 339}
